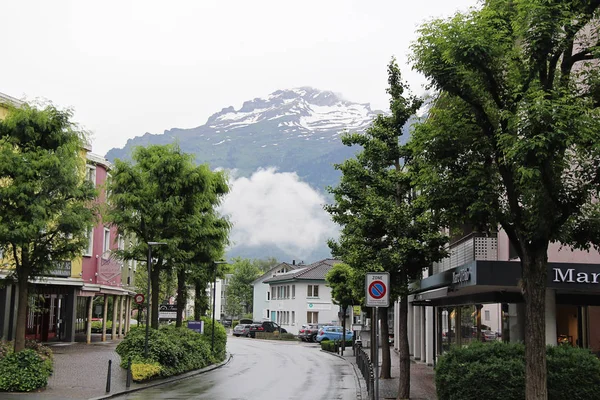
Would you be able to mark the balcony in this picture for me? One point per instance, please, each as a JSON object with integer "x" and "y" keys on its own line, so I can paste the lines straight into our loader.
{"x": 62, "y": 269}
{"x": 474, "y": 246}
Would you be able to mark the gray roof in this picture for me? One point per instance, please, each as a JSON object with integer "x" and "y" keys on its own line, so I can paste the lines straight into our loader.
{"x": 270, "y": 272}
{"x": 6, "y": 99}
{"x": 315, "y": 271}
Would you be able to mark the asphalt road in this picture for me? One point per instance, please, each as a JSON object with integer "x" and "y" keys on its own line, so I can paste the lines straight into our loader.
{"x": 265, "y": 370}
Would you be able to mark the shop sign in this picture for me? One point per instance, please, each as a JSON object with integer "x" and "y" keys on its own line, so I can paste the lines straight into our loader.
{"x": 461, "y": 276}
{"x": 569, "y": 275}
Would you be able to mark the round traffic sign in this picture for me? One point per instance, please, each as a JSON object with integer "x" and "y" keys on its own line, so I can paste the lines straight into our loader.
{"x": 139, "y": 298}
{"x": 377, "y": 289}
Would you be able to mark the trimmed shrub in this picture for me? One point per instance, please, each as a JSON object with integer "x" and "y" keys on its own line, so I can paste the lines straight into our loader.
{"x": 497, "y": 371}
{"x": 334, "y": 345}
{"x": 220, "y": 338}
{"x": 24, "y": 371}
{"x": 142, "y": 372}
{"x": 274, "y": 336}
{"x": 173, "y": 350}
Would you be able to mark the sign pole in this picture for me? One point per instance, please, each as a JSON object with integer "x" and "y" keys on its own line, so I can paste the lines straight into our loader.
{"x": 376, "y": 353}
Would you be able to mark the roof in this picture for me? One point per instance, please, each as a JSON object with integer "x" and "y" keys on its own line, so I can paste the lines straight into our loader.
{"x": 312, "y": 272}
{"x": 6, "y": 99}
{"x": 275, "y": 268}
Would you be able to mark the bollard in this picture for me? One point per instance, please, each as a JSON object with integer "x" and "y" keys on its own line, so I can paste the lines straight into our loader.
{"x": 108, "y": 377}
{"x": 128, "y": 381}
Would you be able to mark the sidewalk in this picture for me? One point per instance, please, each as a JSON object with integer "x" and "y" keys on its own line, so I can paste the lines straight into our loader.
{"x": 80, "y": 372}
{"x": 422, "y": 383}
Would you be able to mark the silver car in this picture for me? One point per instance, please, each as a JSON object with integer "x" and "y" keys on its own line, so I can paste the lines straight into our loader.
{"x": 241, "y": 330}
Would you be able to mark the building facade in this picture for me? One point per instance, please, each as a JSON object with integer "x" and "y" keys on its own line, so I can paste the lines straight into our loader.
{"x": 474, "y": 295}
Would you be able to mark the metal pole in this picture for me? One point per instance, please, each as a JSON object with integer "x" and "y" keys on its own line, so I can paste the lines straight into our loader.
{"x": 212, "y": 341}
{"x": 149, "y": 263}
{"x": 108, "y": 376}
{"x": 376, "y": 378}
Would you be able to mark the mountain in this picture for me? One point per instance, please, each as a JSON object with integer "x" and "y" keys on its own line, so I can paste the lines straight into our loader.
{"x": 296, "y": 130}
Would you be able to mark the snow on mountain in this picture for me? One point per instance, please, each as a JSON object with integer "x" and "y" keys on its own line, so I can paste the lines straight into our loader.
{"x": 304, "y": 111}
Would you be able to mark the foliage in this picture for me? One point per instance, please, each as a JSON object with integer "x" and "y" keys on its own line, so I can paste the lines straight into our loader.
{"x": 240, "y": 290}
{"x": 333, "y": 346}
{"x": 97, "y": 326}
{"x": 164, "y": 197}
{"x": 339, "y": 278}
{"x": 24, "y": 371}
{"x": 174, "y": 350}
{"x": 513, "y": 138}
{"x": 275, "y": 336}
{"x": 220, "y": 337}
{"x": 46, "y": 207}
{"x": 497, "y": 371}
{"x": 144, "y": 371}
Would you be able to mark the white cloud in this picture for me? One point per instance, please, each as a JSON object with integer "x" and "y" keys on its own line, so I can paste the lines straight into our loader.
{"x": 272, "y": 208}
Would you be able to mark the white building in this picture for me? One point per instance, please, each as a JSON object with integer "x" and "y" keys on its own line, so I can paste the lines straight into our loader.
{"x": 296, "y": 295}
{"x": 262, "y": 294}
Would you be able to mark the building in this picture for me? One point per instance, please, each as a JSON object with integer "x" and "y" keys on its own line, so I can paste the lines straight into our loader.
{"x": 261, "y": 294}
{"x": 474, "y": 294}
{"x": 62, "y": 303}
{"x": 297, "y": 295}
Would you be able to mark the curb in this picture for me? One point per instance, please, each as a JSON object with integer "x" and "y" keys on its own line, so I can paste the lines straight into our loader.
{"x": 167, "y": 380}
{"x": 359, "y": 388}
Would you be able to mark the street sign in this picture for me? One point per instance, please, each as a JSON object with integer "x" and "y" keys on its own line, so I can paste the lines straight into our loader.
{"x": 377, "y": 289}
{"x": 139, "y": 298}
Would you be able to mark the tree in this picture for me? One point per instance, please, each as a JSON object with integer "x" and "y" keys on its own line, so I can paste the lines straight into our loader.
{"x": 512, "y": 140}
{"x": 164, "y": 197}
{"x": 46, "y": 208}
{"x": 339, "y": 278}
{"x": 240, "y": 290}
{"x": 383, "y": 229}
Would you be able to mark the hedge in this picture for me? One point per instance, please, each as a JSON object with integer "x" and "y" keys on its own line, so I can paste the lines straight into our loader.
{"x": 497, "y": 371}
{"x": 26, "y": 370}
{"x": 171, "y": 350}
{"x": 274, "y": 336}
{"x": 334, "y": 345}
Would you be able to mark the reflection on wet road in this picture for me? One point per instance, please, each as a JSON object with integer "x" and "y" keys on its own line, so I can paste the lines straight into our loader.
{"x": 269, "y": 370}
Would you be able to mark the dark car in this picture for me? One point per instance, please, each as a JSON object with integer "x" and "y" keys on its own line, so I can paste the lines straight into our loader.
{"x": 241, "y": 330}
{"x": 264, "y": 326}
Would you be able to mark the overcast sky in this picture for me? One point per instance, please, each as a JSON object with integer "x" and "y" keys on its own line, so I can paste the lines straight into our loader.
{"x": 128, "y": 67}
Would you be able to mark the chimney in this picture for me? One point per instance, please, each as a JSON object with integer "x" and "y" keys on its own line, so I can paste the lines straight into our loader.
{"x": 293, "y": 262}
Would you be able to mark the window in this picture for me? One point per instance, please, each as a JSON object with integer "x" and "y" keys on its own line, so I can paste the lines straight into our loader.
{"x": 313, "y": 291}
{"x": 273, "y": 293}
{"x": 293, "y": 317}
{"x": 90, "y": 174}
{"x": 487, "y": 315}
{"x": 121, "y": 242}
{"x": 267, "y": 313}
{"x": 90, "y": 247}
{"x": 312, "y": 317}
{"x": 293, "y": 295}
{"x": 288, "y": 291}
{"x": 106, "y": 242}
{"x": 268, "y": 296}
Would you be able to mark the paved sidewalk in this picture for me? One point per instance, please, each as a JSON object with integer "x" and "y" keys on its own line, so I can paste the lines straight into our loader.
{"x": 80, "y": 372}
{"x": 422, "y": 383}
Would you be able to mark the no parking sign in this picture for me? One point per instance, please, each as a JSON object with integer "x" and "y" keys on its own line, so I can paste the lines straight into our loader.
{"x": 377, "y": 289}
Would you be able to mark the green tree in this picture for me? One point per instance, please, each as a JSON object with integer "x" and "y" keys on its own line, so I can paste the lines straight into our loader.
{"x": 266, "y": 264}
{"x": 513, "y": 137}
{"x": 240, "y": 290}
{"x": 339, "y": 278}
{"x": 383, "y": 229}
{"x": 163, "y": 197}
{"x": 46, "y": 207}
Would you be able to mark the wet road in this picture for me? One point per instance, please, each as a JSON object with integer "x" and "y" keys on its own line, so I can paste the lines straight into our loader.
{"x": 266, "y": 370}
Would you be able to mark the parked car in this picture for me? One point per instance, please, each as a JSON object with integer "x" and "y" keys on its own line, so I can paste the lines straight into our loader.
{"x": 310, "y": 333}
{"x": 304, "y": 333}
{"x": 264, "y": 326}
{"x": 241, "y": 330}
{"x": 332, "y": 333}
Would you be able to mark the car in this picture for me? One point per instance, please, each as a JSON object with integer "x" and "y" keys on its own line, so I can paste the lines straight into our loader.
{"x": 241, "y": 330}
{"x": 265, "y": 326}
{"x": 312, "y": 331}
{"x": 304, "y": 333}
{"x": 332, "y": 333}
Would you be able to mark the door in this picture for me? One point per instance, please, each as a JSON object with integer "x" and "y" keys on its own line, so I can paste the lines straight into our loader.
{"x": 273, "y": 315}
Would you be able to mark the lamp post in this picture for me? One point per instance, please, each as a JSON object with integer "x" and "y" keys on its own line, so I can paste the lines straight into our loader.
{"x": 212, "y": 340}
{"x": 149, "y": 264}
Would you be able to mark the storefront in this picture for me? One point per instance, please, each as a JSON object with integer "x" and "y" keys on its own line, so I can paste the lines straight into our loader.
{"x": 482, "y": 301}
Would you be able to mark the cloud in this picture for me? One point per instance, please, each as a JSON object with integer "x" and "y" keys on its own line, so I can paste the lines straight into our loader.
{"x": 272, "y": 208}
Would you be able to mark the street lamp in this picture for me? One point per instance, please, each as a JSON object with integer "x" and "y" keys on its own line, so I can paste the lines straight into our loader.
{"x": 149, "y": 264}
{"x": 212, "y": 340}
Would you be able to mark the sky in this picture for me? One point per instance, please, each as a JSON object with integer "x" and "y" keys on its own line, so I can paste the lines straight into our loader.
{"x": 127, "y": 67}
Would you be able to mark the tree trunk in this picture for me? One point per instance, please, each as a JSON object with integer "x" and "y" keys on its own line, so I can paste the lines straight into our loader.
{"x": 534, "y": 292}
{"x": 386, "y": 363}
{"x": 402, "y": 342}
{"x": 23, "y": 296}
{"x": 181, "y": 296}
{"x": 155, "y": 294}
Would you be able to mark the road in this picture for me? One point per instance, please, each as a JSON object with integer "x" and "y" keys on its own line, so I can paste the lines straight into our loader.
{"x": 263, "y": 369}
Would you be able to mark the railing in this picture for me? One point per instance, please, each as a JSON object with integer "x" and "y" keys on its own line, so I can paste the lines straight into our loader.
{"x": 366, "y": 368}
{"x": 475, "y": 246}
{"x": 62, "y": 269}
